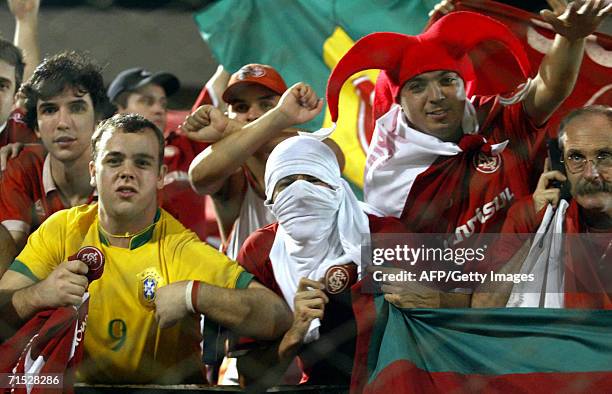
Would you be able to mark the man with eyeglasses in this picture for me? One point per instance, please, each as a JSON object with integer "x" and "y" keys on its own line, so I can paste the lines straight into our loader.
{"x": 579, "y": 267}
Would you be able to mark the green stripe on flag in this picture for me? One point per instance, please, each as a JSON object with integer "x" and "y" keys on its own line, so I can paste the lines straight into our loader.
{"x": 492, "y": 341}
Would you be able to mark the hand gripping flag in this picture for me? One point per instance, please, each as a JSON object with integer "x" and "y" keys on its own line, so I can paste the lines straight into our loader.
{"x": 508, "y": 350}
{"x": 51, "y": 342}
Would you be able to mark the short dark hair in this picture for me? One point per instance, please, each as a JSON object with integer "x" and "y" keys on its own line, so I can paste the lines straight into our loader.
{"x": 56, "y": 73}
{"x": 594, "y": 109}
{"x": 127, "y": 123}
{"x": 10, "y": 54}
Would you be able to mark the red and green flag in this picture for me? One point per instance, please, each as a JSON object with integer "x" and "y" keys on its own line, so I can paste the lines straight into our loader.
{"x": 303, "y": 40}
{"x": 513, "y": 350}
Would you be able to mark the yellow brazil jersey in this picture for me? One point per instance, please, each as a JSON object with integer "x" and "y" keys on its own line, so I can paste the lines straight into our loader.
{"x": 123, "y": 343}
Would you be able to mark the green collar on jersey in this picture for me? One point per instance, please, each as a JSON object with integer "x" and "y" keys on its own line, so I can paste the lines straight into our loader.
{"x": 137, "y": 240}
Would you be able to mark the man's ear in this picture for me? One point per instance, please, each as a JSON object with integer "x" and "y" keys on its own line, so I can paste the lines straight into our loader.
{"x": 162, "y": 176}
{"x": 92, "y": 173}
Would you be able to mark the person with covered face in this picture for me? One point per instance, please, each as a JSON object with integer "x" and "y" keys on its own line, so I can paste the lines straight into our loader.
{"x": 318, "y": 233}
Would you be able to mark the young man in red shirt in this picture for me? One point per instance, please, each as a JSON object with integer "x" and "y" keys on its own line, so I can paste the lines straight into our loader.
{"x": 17, "y": 63}
{"x": 63, "y": 100}
{"x": 12, "y": 125}
{"x": 443, "y": 162}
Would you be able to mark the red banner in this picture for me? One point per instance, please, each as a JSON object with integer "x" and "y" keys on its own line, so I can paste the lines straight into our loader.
{"x": 497, "y": 71}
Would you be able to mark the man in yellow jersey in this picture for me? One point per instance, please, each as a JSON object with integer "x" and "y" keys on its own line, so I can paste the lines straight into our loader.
{"x": 145, "y": 249}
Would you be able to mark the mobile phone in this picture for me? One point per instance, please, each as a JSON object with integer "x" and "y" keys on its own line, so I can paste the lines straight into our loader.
{"x": 555, "y": 156}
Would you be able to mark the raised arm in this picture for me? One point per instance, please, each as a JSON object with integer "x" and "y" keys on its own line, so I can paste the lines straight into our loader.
{"x": 26, "y": 32}
{"x": 559, "y": 69}
{"x": 213, "y": 166}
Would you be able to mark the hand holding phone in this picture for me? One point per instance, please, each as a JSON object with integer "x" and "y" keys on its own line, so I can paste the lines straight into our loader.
{"x": 552, "y": 185}
{"x": 555, "y": 160}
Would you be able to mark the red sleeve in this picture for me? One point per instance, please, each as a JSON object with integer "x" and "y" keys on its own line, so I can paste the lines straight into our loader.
{"x": 513, "y": 123}
{"x": 17, "y": 130}
{"x": 389, "y": 225}
{"x": 522, "y": 217}
{"x": 16, "y": 193}
{"x": 254, "y": 256}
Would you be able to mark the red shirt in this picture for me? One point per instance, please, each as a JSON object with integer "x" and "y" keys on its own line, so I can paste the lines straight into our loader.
{"x": 338, "y": 330}
{"x": 587, "y": 258}
{"x": 16, "y": 130}
{"x": 471, "y": 192}
{"x": 177, "y": 197}
{"x": 254, "y": 254}
{"x": 28, "y": 194}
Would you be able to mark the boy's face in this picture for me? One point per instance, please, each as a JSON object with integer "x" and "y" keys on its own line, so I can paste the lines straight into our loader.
{"x": 433, "y": 103}
{"x": 149, "y": 101}
{"x": 65, "y": 124}
{"x": 127, "y": 173}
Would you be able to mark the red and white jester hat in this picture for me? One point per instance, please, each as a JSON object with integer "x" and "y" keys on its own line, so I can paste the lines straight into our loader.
{"x": 444, "y": 46}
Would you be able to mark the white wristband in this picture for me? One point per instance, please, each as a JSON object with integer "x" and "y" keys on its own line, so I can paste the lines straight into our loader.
{"x": 188, "y": 302}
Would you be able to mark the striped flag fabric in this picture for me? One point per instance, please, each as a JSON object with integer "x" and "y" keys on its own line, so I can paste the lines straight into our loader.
{"x": 513, "y": 350}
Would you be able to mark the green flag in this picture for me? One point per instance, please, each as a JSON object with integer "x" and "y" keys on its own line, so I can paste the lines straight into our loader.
{"x": 509, "y": 350}
{"x": 303, "y": 40}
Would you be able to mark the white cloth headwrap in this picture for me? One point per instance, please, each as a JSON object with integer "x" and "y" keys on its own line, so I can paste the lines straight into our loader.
{"x": 292, "y": 260}
{"x": 545, "y": 263}
{"x": 399, "y": 153}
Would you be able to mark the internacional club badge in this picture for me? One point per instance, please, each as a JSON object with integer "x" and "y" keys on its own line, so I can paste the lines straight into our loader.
{"x": 94, "y": 259}
{"x": 339, "y": 277}
{"x": 487, "y": 164}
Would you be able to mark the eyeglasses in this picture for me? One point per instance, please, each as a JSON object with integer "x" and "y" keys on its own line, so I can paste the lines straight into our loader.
{"x": 576, "y": 162}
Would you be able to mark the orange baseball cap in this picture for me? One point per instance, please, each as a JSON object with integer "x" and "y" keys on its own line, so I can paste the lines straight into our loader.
{"x": 258, "y": 74}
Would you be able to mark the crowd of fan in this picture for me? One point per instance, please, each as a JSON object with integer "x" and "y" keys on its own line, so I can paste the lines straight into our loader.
{"x": 134, "y": 188}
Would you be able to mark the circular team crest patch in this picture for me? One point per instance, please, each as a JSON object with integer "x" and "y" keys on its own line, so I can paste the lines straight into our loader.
{"x": 250, "y": 71}
{"x": 336, "y": 279}
{"x": 487, "y": 164}
{"x": 94, "y": 259}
